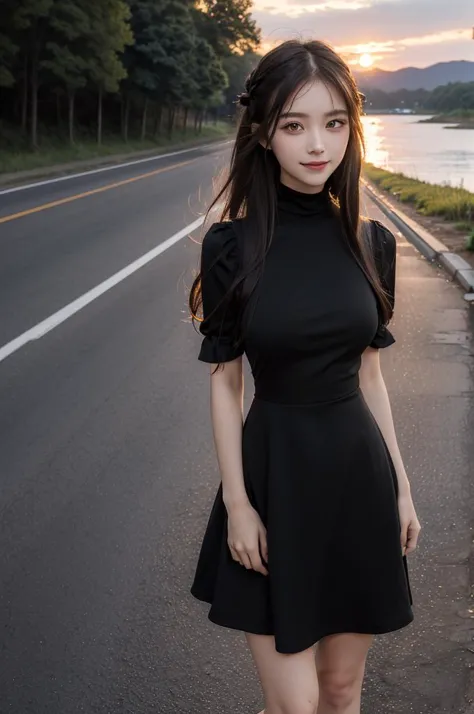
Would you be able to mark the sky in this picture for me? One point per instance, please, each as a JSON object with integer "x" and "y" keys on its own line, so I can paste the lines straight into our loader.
{"x": 395, "y": 33}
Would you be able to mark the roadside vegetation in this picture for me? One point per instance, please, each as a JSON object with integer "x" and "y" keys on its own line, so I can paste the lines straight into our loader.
{"x": 453, "y": 204}
{"x": 54, "y": 151}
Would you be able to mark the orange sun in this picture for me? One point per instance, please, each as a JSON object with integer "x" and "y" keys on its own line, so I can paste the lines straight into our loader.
{"x": 366, "y": 60}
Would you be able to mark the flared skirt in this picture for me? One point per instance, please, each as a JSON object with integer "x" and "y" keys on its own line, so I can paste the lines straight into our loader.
{"x": 323, "y": 482}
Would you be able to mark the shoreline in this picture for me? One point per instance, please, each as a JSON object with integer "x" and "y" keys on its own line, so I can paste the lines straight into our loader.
{"x": 454, "y": 121}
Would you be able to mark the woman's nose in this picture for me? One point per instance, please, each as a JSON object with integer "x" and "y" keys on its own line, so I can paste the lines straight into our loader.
{"x": 316, "y": 144}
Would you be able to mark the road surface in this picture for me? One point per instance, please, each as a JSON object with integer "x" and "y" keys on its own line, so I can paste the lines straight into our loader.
{"x": 108, "y": 469}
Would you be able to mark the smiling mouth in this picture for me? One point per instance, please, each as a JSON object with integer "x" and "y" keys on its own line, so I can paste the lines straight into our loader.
{"x": 316, "y": 164}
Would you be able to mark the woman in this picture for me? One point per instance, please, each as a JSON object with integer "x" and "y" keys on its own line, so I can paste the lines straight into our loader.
{"x": 307, "y": 539}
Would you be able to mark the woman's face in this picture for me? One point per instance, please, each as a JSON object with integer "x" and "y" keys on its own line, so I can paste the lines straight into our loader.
{"x": 313, "y": 128}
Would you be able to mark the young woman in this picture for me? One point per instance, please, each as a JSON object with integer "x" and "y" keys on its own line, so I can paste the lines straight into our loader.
{"x": 308, "y": 535}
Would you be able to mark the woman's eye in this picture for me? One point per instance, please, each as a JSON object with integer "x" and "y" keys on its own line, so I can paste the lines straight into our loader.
{"x": 292, "y": 123}
{"x": 333, "y": 122}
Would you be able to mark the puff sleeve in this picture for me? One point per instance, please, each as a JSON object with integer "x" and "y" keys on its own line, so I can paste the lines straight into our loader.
{"x": 219, "y": 264}
{"x": 385, "y": 250}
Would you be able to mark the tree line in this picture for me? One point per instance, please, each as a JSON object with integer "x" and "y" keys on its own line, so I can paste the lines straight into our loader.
{"x": 74, "y": 63}
{"x": 446, "y": 98}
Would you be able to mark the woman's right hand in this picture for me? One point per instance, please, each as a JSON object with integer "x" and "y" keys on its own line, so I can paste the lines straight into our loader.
{"x": 247, "y": 538}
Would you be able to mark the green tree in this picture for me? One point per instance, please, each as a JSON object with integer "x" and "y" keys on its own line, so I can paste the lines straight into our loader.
{"x": 110, "y": 34}
{"x": 9, "y": 47}
{"x": 87, "y": 37}
{"x": 67, "y": 51}
{"x": 31, "y": 22}
{"x": 140, "y": 58}
{"x": 209, "y": 79}
{"x": 157, "y": 62}
{"x": 227, "y": 25}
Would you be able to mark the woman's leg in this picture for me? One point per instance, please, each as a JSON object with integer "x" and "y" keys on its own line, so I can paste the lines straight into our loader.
{"x": 340, "y": 663}
{"x": 289, "y": 681}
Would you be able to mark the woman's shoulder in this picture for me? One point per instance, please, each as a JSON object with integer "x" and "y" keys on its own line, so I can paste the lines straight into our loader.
{"x": 381, "y": 238}
{"x": 220, "y": 242}
{"x": 218, "y": 235}
{"x": 381, "y": 234}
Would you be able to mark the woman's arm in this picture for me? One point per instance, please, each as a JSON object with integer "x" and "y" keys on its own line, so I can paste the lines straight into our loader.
{"x": 227, "y": 391}
{"x": 373, "y": 388}
{"x": 375, "y": 394}
{"x": 247, "y": 537}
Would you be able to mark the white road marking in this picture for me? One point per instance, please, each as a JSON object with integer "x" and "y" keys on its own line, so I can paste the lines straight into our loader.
{"x": 24, "y": 187}
{"x": 42, "y": 328}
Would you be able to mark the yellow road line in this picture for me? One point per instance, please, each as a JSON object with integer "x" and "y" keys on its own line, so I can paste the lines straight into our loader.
{"x": 76, "y": 197}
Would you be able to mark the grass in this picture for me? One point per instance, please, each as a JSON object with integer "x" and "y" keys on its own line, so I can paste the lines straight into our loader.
{"x": 452, "y": 204}
{"x": 15, "y": 155}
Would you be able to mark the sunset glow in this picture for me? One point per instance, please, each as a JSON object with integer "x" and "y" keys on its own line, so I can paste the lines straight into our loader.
{"x": 366, "y": 60}
{"x": 394, "y": 33}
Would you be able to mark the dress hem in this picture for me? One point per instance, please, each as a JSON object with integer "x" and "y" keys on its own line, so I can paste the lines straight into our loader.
{"x": 223, "y": 620}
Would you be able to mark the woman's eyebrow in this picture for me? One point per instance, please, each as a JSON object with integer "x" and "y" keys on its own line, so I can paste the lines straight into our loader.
{"x": 327, "y": 115}
{"x": 337, "y": 113}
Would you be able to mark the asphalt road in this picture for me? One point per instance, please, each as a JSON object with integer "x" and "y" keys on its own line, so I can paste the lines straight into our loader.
{"x": 108, "y": 469}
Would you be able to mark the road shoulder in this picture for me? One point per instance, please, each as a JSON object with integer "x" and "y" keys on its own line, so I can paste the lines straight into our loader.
{"x": 432, "y": 248}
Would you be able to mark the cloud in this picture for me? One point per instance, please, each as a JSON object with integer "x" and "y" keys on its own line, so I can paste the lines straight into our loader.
{"x": 381, "y": 26}
{"x": 380, "y": 20}
{"x": 381, "y": 48}
{"x": 386, "y": 54}
{"x": 333, "y": 4}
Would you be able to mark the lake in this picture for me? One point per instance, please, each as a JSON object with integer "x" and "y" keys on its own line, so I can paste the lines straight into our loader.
{"x": 428, "y": 152}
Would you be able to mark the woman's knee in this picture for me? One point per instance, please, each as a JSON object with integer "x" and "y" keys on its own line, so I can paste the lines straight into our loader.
{"x": 339, "y": 689}
{"x": 341, "y": 663}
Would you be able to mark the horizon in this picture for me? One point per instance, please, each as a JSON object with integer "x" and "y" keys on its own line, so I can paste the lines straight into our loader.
{"x": 376, "y": 68}
{"x": 390, "y": 39}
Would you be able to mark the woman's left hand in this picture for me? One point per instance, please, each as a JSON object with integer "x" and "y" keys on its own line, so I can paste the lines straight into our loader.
{"x": 409, "y": 524}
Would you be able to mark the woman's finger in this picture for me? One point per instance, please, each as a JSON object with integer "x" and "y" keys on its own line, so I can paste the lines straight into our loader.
{"x": 246, "y": 562}
{"x": 256, "y": 561}
{"x": 263, "y": 545}
{"x": 403, "y": 537}
{"x": 412, "y": 539}
{"x": 235, "y": 555}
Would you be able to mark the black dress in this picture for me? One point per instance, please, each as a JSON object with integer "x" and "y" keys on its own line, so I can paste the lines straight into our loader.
{"x": 316, "y": 466}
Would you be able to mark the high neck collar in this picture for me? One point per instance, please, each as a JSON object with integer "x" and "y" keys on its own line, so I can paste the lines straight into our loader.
{"x": 302, "y": 204}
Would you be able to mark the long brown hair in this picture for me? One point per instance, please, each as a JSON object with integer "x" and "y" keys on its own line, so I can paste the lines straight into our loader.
{"x": 250, "y": 190}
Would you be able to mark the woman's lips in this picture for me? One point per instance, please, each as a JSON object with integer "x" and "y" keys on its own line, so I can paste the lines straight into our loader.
{"x": 316, "y": 165}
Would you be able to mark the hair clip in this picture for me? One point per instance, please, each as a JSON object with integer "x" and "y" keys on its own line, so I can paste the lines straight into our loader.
{"x": 244, "y": 99}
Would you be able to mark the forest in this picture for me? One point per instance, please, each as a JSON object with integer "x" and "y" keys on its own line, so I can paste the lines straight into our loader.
{"x": 453, "y": 97}
{"x": 76, "y": 69}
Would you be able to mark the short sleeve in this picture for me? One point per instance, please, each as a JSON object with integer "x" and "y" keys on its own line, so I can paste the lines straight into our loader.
{"x": 385, "y": 253}
{"x": 219, "y": 265}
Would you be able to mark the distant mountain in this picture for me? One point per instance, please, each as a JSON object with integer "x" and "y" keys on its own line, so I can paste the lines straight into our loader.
{"x": 416, "y": 78}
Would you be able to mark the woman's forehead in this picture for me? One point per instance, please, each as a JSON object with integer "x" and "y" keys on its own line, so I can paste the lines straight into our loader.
{"x": 315, "y": 98}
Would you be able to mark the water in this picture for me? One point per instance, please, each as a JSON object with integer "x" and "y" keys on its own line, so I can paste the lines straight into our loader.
{"x": 428, "y": 152}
